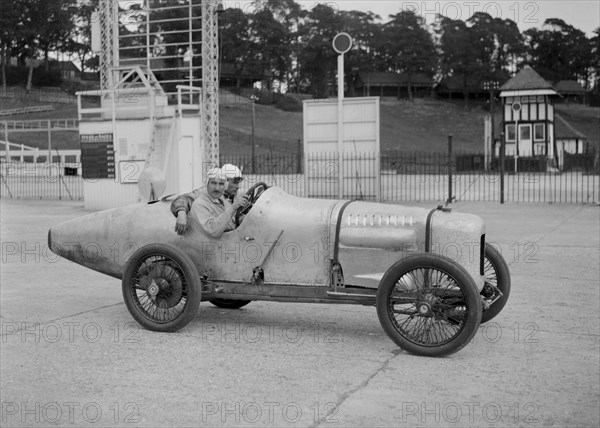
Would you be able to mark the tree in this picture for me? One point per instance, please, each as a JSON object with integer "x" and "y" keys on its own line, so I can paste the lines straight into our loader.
{"x": 53, "y": 23}
{"x": 408, "y": 46}
{"x": 11, "y": 31}
{"x": 458, "y": 53}
{"x": 497, "y": 43}
{"x": 595, "y": 43}
{"x": 270, "y": 42}
{"x": 559, "y": 51}
{"x": 41, "y": 26}
{"x": 317, "y": 59}
{"x": 289, "y": 14}
{"x": 481, "y": 33}
{"x": 26, "y": 41}
{"x": 80, "y": 41}
{"x": 365, "y": 33}
{"x": 234, "y": 39}
{"x": 509, "y": 47}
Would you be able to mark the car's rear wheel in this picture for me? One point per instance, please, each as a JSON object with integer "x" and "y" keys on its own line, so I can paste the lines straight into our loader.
{"x": 161, "y": 288}
{"x": 497, "y": 283}
{"x": 229, "y": 303}
{"x": 429, "y": 305}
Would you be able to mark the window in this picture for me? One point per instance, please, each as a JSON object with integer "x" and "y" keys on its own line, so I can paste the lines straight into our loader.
{"x": 538, "y": 132}
{"x": 525, "y": 132}
{"x": 510, "y": 132}
{"x": 539, "y": 149}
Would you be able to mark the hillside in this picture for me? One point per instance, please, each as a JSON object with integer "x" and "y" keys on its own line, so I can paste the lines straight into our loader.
{"x": 420, "y": 125}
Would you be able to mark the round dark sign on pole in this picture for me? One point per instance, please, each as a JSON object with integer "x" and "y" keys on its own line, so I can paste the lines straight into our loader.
{"x": 342, "y": 43}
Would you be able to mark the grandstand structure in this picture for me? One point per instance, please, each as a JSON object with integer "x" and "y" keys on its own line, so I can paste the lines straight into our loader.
{"x": 174, "y": 42}
{"x": 158, "y": 102}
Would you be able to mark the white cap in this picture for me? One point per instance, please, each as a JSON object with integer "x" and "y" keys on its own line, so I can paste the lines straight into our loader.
{"x": 231, "y": 171}
{"x": 215, "y": 173}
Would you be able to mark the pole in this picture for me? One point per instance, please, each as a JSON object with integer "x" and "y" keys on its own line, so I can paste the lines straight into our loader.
{"x": 115, "y": 39}
{"x": 191, "y": 49}
{"x": 450, "y": 165}
{"x": 492, "y": 111}
{"x": 252, "y": 140}
{"x": 299, "y": 157}
{"x": 147, "y": 7}
{"x": 340, "y": 65}
{"x": 486, "y": 143}
{"x": 7, "y": 158}
{"x": 491, "y": 85}
{"x": 502, "y": 167}
{"x": 516, "y": 144}
{"x": 49, "y": 143}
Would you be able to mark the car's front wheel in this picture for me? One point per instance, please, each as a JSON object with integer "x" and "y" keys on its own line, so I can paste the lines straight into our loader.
{"x": 497, "y": 283}
{"x": 161, "y": 288}
{"x": 429, "y": 305}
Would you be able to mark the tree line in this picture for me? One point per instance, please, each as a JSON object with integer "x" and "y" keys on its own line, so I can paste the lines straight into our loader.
{"x": 291, "y": 46}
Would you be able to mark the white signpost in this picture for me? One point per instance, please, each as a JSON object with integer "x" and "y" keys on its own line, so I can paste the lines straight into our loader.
{"x": 341, "y": 141}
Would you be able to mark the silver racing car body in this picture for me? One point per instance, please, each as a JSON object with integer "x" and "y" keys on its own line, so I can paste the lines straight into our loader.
{"x": 417, "y": 265}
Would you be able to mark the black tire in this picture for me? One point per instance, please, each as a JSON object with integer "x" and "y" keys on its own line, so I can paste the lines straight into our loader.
{"x": 429, "y": 305}
{"x": 161, "y": 288}
{"x": 496, "y": 274}
{"x": 229, "y": 303}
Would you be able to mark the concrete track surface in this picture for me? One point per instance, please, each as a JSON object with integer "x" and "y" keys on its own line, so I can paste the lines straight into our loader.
{"x": 71, "y": 355}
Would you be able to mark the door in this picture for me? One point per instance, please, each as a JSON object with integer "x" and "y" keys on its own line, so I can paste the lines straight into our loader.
{"x": 525, "y": 140}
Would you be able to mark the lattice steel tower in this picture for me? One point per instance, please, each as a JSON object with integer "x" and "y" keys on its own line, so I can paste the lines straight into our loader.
{"x": 108, "y": 15}
{"x": 107, "y": 19}
{"x": 210, "y": 79}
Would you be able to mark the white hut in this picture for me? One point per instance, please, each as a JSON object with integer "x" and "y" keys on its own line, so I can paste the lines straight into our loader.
{"x": 528, "y": 115}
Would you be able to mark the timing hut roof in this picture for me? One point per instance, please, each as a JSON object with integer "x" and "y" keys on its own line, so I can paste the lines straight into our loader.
{"x": 526, "y": 82}
{"x": 564, "y": 130}
{"x": 569, "y": 87}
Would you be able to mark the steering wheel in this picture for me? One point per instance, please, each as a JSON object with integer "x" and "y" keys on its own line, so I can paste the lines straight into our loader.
{"x": 253, "y": 194}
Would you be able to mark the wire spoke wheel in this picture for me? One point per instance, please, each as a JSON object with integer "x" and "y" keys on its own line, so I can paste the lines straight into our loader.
{"x": 497, "y": 283}
{"x": 428, "y": 305}
{"x": 161, "y": 288}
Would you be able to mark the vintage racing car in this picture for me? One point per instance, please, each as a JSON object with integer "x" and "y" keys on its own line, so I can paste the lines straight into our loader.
{"x": 429, "y": 272}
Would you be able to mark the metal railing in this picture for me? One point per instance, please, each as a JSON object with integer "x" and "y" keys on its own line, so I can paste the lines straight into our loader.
{"x": 28, "y": 180}
{"x": 416, "y": 176}
{"x": 405, "y": 177}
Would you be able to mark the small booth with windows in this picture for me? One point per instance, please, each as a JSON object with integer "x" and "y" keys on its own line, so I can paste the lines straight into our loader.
{"x": 534, "y": 135}
{"x": 528, "y": 115}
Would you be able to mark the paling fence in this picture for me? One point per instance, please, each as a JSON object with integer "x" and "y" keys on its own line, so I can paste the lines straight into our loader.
{"x": 28, "y": 180}
{"x": 404, "y": 177}
{"x": 420, "y": 176}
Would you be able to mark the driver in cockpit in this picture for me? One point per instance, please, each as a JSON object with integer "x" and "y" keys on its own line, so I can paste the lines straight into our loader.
{"x": 181, "y": 206}
{"x": 211, "y": 210}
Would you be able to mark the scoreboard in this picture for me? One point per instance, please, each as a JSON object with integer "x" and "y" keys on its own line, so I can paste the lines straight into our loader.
{"x": 97, "y": 155}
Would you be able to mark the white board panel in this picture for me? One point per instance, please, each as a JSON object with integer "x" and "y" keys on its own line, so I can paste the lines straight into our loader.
{"x": 342, "y": 164}
{"x": 321, "y": 131}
